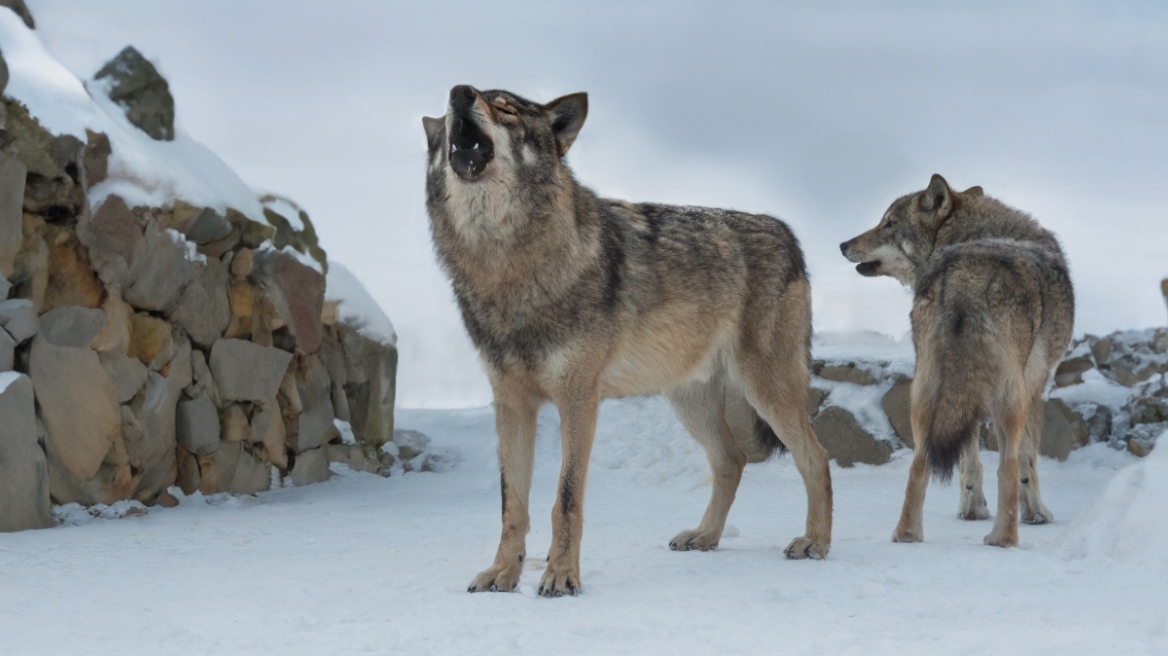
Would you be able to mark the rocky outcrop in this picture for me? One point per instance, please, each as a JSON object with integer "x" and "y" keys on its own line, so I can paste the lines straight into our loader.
{"x": 169, "y": 345}
{"x": 136, "y": 85}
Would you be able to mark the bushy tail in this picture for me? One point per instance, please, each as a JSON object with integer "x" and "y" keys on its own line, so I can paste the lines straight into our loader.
{"x": 965, "y": 367}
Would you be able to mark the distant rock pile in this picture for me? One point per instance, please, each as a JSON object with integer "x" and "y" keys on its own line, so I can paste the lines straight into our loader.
{"x": 1108, "y": 389}
{"x": 144, "y": 347}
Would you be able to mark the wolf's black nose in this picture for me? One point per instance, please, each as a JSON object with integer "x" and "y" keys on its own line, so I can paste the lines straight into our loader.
{"x": 462, "y": 96}
{"x": 844, "y": 248}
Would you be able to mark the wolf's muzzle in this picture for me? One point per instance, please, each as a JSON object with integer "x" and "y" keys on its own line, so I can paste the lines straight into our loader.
{"x": 470, "y": 148}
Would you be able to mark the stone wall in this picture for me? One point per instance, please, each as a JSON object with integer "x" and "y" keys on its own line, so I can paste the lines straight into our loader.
{"x": 148, "y": 347}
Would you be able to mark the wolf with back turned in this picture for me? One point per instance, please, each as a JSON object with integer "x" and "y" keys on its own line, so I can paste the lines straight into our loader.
{"x": 571, "y": 298}
{"x": 992, "y": 315}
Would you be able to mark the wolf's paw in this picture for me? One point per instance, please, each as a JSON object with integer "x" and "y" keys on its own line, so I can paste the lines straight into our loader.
{"x": 973, "y": 512}
{"x": 1002, "y": 539}
{"x": 904, "y": 534}
{"x": 1041, "y": 515}
{"x": 694, "y": 541}
{"x": 805, "y": 547}
{"x": 560, "y": 581}
{"x": 497, "y": 578}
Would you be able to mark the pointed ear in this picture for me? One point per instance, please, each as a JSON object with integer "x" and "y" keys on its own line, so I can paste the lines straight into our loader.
{"x": 937, "y": 199}
{"x": 973, "y": 191}
{"x": 567, "y": 116}
{"x": 435, "y": 131}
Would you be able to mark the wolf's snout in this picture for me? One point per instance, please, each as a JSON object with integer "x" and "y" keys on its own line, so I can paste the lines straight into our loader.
{"x": 844, "y": 248}
{"x": 462, "y": 97}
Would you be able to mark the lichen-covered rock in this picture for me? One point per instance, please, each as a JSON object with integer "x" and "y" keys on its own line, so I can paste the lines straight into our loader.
{"x": 24, "y": 474}
{"x": 161, "y": 270}
{"x": 846, "y": 441}
{"x": 370, "y": 375}
{"x": 203, "y": 310}
{"x": 314, "y": 424}
{"x": 71, "y": 280}
{"x": 135, "y": 84}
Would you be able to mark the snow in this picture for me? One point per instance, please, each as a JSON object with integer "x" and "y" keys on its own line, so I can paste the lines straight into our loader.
{"x": 1128, "y": 523}
{"x": 357, "y": 307}
{"x": 7, "y": 378}
{"x": 867, "y": 346}
{"x": 363, "y": 564}
{"x": 141, "y": 170}
{"x": 1095, "y": 388}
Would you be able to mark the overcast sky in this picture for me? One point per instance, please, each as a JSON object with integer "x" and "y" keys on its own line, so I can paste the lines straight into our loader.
{"x": 820, "y": 115}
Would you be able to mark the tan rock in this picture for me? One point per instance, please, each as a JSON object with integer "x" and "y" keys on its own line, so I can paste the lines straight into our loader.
{"x": 115, "y": 334}
{"x": 149, "y": 336}
{"x": 71, "y": 281}
{"x": 233, "y": 424}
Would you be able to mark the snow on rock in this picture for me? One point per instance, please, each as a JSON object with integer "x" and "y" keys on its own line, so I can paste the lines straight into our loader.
{"x": 1129, "y": 521}
{"x": 141, "y": 170}
{"x": 356, "y": 307}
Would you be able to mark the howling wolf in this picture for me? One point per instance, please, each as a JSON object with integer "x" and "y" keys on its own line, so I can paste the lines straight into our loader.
{"x": 992, "y": 315}
{"x": 572, "y": 298}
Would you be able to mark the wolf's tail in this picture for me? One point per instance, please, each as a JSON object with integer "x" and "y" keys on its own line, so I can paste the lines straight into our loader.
{"x": 964, "y": 366}
{"x": 766, "y": 437}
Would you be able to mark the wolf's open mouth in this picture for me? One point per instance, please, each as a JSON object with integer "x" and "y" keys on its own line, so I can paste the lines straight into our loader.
{"x": 470, "y": 148}
{"x": 868, "y": 268}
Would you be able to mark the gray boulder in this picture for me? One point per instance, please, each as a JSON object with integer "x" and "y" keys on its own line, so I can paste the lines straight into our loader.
{"x": 19, "y": 318}
{"x": 78, "y": 399}
{"x": 247, "y": 372}
{"x": 197, "y": 425}
{"x": 1063, "y": 430}
{"x": 24, "y": 474}
{"x": 234, "y": 468}
{"x": 897, "y": 404}
{"x": 846, "y": 441}
{"x": 142, "y": 92}
{"x": 204, "y": 310}
{"x": 160, "y": 271}
{"x": 310, "y": 467}
{"x": 1070, "y": 372}
{"x": 315, "y": 425}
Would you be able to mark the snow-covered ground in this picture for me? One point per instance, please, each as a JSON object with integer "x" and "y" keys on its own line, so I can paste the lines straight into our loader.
{"x": 363, "y": 564}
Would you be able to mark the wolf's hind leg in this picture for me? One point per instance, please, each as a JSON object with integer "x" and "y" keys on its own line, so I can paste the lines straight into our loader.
{"x": 780, "y": 397}
{"x": 1012, "y": 426}
{"x": 1033, "y": 510}
{"x": 973, "y": 502}
{"x": 701, "y": 409}
{"x": 515, "y": 421}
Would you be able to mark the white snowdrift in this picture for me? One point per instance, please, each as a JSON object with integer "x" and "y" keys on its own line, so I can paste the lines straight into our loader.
{"x": 356, "y": 307}
{"x": 1128, "y": 523}
{"x": 141, "y": 170}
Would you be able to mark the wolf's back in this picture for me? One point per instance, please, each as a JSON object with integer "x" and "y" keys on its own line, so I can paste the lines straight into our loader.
{"x": 975, "y": 317}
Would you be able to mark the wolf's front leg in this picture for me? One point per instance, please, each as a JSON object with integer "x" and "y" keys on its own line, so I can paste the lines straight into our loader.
{"x": 577, "y": 430}
{"x": 515, "y": 418}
